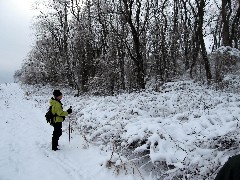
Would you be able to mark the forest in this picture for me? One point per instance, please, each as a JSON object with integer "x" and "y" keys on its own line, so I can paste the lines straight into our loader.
{"x": 112, "y": 46}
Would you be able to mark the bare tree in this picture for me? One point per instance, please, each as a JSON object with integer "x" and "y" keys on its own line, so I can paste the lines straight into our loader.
{"x": 132, "y": 12}
{"x": 108, "y": 46}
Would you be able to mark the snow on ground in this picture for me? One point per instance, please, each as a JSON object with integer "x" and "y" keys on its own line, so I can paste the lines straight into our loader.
{"x": 25, "y": 148}
{"x": 186, "y": 131}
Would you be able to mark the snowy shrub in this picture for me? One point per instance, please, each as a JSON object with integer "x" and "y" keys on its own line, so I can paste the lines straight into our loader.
{"x": 225, "y": 60}
{"x": 117, "y": 162}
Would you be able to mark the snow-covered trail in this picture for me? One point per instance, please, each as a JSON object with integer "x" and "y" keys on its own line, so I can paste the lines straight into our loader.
{"x": 25, "y": 148}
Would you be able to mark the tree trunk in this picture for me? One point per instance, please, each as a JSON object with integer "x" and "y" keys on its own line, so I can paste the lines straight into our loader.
{"x": 226, "y": 13}
{"x": 235, "y": 27}
{"x": 138, "y": 59}
{"x": 202, "y": 43}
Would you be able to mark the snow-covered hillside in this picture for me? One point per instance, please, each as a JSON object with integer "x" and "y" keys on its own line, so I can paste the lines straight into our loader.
{"x": 186, "y": 131}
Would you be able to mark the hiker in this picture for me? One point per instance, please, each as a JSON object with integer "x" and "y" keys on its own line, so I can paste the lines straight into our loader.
{"x": 59, "y": 117}
{"x": 230, "y": 170}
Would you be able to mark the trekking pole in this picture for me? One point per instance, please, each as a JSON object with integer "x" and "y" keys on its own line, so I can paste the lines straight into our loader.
{"x": 69, "y": 129}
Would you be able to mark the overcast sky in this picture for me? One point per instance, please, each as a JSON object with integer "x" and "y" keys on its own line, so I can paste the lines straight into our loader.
{"x": 16, "y": 36}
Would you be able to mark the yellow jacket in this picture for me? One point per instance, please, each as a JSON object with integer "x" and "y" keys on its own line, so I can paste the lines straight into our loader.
{"x": 57, "y": 110}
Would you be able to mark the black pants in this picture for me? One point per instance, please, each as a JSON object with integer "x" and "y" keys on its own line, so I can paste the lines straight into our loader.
{"x": 57, "y": 132}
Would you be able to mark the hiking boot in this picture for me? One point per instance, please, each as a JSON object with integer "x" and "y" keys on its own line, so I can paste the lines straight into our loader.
{"x": 55, "y": 149}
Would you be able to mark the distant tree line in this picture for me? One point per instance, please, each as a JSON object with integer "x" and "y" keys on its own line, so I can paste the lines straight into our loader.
{"x": 108, "y": 46}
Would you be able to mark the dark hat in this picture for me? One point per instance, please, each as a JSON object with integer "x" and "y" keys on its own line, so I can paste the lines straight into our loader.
{"x": 57, "y": 93}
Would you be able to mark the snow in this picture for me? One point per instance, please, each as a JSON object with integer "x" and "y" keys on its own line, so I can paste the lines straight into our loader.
{"x": 187, "y": 130}
{"x": 25, "y": 149}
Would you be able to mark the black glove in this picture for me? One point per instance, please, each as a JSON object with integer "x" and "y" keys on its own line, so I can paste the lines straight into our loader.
{"x": 69, "y": 111}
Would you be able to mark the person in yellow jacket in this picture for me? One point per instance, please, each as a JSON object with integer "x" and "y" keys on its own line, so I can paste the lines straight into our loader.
{"x": 59, "y": 116}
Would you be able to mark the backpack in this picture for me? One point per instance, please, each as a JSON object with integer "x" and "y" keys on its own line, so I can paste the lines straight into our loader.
{"x": 49, "y": 116}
